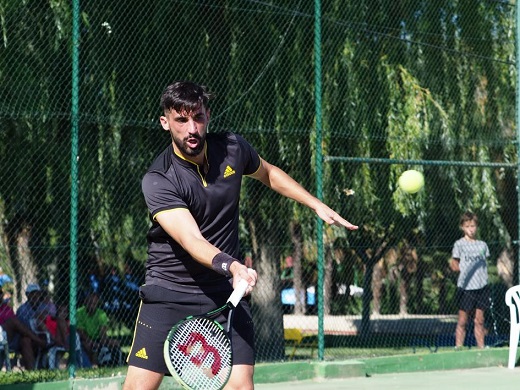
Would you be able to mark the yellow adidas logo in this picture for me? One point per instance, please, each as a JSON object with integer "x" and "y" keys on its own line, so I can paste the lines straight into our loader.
{"x": 229, "y": 171}
{"x": 141, "y": 354}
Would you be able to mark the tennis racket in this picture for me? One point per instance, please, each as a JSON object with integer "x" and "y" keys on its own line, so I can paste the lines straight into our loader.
{"x": 198, "y": 351}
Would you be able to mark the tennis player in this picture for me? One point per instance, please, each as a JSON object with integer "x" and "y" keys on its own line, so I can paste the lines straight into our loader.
{"x": 192, "y": 191}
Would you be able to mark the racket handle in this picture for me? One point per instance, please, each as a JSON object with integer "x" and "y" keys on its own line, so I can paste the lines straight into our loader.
{"x": 238, "y": 293}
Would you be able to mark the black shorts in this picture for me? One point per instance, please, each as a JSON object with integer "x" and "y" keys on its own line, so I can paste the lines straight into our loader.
{"x": 161, "y": 308}
{"x": 470, "y": 300}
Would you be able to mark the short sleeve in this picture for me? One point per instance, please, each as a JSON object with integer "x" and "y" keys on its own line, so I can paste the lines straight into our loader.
{"x": 251, "y": 157}
{"x": 24, "y": 314}
{"x": 455, "y": 253}
{"x": 160, "y": 194}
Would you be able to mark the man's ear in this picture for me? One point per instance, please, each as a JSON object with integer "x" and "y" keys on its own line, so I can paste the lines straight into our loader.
{"x": 164, "y": 123}
{"x": 207, "y": 119}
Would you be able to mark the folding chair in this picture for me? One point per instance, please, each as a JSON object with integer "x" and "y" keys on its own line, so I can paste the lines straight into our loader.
{"x": 513, "y": 301}
{"x": 296, "y": 337}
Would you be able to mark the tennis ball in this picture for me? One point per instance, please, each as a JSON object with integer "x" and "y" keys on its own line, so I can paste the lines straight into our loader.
{"x": 411, "y": 181}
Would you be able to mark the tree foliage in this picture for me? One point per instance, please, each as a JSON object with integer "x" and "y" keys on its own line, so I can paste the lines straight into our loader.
{"x": 429, "y": 81}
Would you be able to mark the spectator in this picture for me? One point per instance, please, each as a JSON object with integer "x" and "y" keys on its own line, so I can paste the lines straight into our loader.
{"x": 47, "y": 306}
{"x": 94, "y": 280}
{"x": 20, "y": 337}
{"x": 34, "y": 304}
{"x": 4, "y": 278}
{"x": 55, "y": 322}
{"x": 131, "y": 281}
{"x": 112, "y": 292}
{"x": 469, "y": 259}
{"x": 119, "y": 297}
{"x": 92, "y": 328}
{"x": 4, "y": 281}
{"x": 35, "y": 311}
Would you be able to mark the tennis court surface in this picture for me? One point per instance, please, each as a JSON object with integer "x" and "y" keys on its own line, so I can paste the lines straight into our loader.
{"x": 496, "y": 378}
{"x": 467, "y": 369}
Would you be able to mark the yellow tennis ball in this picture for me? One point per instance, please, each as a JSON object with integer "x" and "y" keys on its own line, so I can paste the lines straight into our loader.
{"x": 411, "y": 181}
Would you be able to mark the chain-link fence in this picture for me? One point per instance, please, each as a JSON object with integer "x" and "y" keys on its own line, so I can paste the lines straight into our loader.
{"x": 425, "y": 85}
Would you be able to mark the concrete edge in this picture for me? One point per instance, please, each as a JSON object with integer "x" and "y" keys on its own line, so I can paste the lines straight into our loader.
{"x": 465, "y": 359}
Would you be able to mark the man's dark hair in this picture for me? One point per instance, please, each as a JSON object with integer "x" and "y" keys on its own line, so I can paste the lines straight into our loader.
{"x": 185, "y": 96}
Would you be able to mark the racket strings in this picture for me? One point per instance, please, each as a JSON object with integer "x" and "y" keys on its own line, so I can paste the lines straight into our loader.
{"x": 200, "y": 354}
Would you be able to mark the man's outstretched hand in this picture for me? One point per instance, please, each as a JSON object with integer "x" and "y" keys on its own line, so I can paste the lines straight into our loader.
{"x": 333, "y": 218}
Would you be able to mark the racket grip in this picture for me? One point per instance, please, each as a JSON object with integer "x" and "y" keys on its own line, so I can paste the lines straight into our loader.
{"x": 238, "y": 293}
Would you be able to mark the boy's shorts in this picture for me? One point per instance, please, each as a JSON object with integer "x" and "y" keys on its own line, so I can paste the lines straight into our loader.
{"x": 161, "y": 309}
{"x": 470, "y": 300}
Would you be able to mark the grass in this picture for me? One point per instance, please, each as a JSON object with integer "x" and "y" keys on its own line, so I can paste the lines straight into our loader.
{"x": 37, "y": 376}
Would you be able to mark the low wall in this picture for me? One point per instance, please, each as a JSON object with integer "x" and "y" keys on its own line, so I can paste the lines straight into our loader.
{"x": 388, "y": 324}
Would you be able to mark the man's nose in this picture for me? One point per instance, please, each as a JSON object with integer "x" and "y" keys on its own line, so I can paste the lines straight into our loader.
{"x": 193, "y": 126}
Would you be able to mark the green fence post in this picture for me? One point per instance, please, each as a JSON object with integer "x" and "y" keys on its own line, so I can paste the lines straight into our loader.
{"x": 319, "y": 171}
{"x": 74, "y": 154}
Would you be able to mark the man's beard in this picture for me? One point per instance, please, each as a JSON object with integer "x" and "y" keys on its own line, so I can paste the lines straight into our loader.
{"x": 182, "y": 144}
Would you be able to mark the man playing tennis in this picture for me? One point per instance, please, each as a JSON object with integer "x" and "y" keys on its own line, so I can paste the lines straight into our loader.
{"x": 192, "y": 191}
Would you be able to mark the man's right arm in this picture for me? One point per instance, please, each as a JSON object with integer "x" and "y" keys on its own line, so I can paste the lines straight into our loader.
{"x": 181, "y": 226}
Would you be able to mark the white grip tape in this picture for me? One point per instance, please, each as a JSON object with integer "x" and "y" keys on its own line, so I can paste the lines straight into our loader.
{"x": 238, "y": 293}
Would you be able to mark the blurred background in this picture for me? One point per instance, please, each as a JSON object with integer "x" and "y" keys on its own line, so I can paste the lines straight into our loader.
{"x": 342, "y": 95}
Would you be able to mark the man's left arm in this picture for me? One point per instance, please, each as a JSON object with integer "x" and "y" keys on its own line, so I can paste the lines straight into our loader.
{"x": 279, "y": 181}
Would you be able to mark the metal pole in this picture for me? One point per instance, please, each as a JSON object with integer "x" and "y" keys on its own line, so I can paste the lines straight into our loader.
{"x": 74, "y": 157}
{"x": 319, "y": 172}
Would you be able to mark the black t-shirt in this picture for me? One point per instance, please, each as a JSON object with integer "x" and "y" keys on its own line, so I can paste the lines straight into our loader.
{"x": 173, "y": 182}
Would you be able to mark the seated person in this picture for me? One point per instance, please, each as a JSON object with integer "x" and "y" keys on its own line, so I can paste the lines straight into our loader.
{"x": 34, "y": 303}
{"x": 92, "y": 328}
{"x": 6, "y": 283}
{"x": 55, "y": 323}
{"x": 35, "y": 310}
{"x": 58, "y": 326}
{"x": 19, "y": 336}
